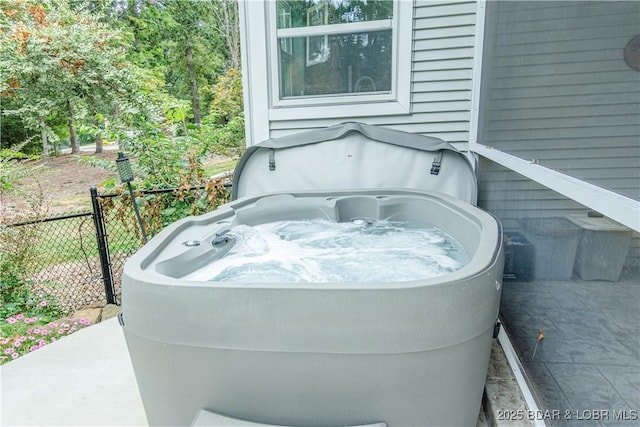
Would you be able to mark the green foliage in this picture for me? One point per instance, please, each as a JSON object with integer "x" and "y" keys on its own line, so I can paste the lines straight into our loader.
{"x": 162, "y": 34}
{"x": 17, "y": 248}
{"x": 223, "y": 129}
{"x": 192, "y": 24}
{"x": 227, "y": 100}
{"x": 229, "y": 139}
{"x": 20, "y": 300}
{"x": 11, "y": 169}
{"x": 162, "y": 210}
{"x": 16, "y": 292}
{"x": 53, "y": 54}
{"x": 13, "y": 131}
{"x": 196, "y": 195}
{"x": 23, "y": 334}
{"x": 129, "y": 70}
{"x": 160, "y": 161}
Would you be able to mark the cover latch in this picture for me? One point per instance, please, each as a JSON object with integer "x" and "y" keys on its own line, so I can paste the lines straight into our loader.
{"x": 272, "y": 159}
{"x": 435, "y": 166}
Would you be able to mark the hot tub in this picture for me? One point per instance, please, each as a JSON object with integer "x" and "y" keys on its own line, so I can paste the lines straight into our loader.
{"x": 411, "y": 352}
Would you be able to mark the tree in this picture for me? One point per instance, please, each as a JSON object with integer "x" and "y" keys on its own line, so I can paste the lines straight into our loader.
{"x": 194, "y": 42}
{"x": 227, "y": 101}
{"x": 187, "y": 44}
{"x": 55, "y": 59}
{"x": 228, "y": 26}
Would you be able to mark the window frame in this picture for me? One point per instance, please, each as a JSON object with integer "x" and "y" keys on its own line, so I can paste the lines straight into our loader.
{"x": 395, "y": 101}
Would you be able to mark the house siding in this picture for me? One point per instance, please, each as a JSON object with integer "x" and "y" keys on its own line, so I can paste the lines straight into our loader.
{"x": 512, "y": 197}
{"x": 556, "y": 91}
{"x": 441, "y": 77}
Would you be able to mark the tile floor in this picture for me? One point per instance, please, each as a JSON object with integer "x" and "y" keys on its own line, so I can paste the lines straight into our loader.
{"x": 587, "y": 367}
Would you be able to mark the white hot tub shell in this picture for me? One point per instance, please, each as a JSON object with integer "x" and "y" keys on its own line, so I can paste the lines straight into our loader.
{"x": 320, "y": 354}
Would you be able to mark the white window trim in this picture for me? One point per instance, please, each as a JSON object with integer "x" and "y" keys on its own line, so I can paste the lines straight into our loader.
{"x": 339, "y": 106}
{"x": 329, "y": 99}
{"x": 254, "y": 70}
{"x": 620, "y": 208}
{"x": 354, "y": 27}
{"x": 256, "y": 77}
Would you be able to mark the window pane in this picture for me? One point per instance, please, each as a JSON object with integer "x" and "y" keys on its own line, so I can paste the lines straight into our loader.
{"x": 335, "y": 64}
{"x": 307, "y": 13}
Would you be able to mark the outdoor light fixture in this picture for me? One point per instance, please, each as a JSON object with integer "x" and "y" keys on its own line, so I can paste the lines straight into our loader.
{"x": 126, "y": 175}
{"x": 124, "y": 168}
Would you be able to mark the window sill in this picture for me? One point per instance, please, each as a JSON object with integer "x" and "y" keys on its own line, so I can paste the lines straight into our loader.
{"x": 350, "y": 110}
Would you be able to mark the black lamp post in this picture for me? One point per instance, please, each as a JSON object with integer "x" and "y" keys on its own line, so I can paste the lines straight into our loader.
{"x": 126, "y": 175}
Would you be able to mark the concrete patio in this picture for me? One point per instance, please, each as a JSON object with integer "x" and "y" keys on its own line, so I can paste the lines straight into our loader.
{"x": 85, "y": 379}
{"x": 587, "y": 367}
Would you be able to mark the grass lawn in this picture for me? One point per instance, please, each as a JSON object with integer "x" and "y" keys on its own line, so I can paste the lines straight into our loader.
{"x": 216, "y": 168}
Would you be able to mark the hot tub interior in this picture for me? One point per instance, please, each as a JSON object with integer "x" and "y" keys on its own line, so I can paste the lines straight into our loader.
{"x": 317, "y": 250}
{"x": 316, "y": 238}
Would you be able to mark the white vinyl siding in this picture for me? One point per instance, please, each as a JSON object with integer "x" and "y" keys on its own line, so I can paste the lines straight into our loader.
{"x": 441, "y": 74}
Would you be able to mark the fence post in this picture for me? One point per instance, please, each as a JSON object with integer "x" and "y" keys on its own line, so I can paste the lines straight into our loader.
{"x": 103, "y": 247}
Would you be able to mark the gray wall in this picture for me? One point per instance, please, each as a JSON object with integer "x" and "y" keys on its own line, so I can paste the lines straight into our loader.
{"x": 557, "y": 90}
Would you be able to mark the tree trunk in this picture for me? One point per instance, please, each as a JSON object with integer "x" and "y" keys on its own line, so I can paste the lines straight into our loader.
{"x": 45, "y": 141}
{"x": 99, "y": 140}
{"x": 75, "y": 148}
{"x": 99, "y": 143}
{"x": 234, "y": 43}
{"x": 195, "y": 103}
{"x": 229, "y": 28}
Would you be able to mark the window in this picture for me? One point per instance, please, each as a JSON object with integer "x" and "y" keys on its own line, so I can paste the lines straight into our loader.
{"x": 338, "y": 51}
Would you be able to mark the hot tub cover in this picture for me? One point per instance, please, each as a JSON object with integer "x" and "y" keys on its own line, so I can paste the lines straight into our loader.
{"x": 354, "y": 156}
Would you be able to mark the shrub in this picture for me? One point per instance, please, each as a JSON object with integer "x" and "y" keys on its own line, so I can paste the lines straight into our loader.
{"x": 18, "y": 251}
{"x": 22, "y": 334}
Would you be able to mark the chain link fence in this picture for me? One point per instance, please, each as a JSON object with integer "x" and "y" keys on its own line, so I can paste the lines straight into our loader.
{"x": 59, "y": 258}
{"x": 78, "y": 258}
{"x": 158, "y": 208}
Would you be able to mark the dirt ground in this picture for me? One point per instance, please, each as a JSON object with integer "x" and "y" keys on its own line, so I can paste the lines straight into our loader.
{"x": 62, "y": 184}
